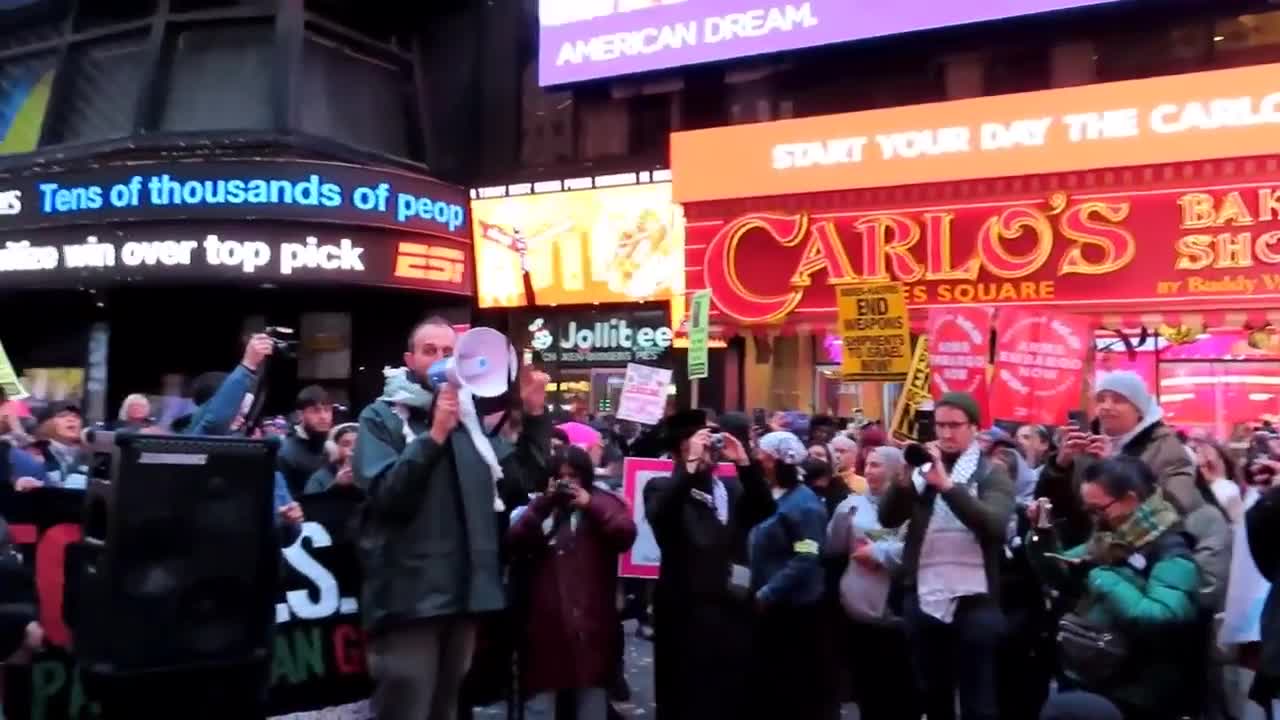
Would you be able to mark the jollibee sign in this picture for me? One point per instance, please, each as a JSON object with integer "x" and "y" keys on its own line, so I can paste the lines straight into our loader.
{"x": 1078, "y": 252}
{"x": 1199, "y": 116}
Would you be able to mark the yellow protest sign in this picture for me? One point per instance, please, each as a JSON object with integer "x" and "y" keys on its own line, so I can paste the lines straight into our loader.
{"x": 9, "y": 378}
{"x": 914, "y": 394}
{"x": 874, "y": 332}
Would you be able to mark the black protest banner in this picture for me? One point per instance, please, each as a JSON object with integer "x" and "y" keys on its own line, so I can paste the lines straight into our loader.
{"x": 318, "y": 657}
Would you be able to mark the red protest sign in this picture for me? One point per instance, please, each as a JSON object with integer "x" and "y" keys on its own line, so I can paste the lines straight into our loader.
{"x": 959, "y": 338}
{"x": 1039, "y": 368}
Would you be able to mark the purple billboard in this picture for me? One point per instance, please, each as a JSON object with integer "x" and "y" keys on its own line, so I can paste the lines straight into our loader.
{"x": 588, "y": 39}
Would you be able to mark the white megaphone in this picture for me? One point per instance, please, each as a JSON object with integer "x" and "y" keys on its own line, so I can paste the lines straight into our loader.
{"x": 483, "y": 362}
{"x": 483, "y": 365}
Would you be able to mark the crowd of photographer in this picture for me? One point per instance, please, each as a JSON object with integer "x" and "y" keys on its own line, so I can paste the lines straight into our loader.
{"x": 1112, "y": 568}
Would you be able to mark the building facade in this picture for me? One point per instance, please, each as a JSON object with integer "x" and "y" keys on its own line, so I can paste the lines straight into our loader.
{"x": 179, "y": 173}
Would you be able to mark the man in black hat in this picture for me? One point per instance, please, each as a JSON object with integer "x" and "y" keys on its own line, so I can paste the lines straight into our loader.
{"x": 701, "y": 606}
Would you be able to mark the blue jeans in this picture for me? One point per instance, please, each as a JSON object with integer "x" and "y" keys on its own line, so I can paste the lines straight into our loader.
{"x": 593, "y": 704}
{"x": 960, "y": 655}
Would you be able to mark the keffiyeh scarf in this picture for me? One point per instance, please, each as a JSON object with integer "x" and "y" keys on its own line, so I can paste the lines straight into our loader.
{"x": 951, "y": 564}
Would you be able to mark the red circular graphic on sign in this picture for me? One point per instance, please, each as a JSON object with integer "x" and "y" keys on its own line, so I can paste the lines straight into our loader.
{"x": 957, "y": 353}
{"x": 1041, "y": 356}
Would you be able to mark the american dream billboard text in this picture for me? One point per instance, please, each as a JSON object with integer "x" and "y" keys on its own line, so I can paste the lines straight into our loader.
{"x": 589, "y": 39}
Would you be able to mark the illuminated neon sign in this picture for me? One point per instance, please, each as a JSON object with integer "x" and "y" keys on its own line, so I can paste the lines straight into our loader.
{"x": 225, "y": 190}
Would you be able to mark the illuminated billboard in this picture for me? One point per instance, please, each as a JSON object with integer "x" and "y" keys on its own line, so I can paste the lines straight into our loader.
{"x": 601, "y": 245}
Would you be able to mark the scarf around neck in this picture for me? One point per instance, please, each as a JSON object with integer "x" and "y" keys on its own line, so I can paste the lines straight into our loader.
{"x": 1151, "y": 520}
{"x": 404, "y": 393}
{"x": 952, "y": 564}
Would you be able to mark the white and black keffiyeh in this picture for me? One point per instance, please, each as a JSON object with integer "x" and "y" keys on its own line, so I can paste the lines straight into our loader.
{"x": 951, "y": 563}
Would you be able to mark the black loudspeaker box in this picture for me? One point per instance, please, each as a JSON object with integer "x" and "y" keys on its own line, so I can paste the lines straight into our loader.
{"x": 179, "y": 566}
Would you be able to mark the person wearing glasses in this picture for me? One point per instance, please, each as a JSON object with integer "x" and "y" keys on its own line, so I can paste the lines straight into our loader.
{"x": 958, "y": 504}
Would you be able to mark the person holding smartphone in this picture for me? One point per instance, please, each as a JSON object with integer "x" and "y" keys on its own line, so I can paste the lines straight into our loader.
{"x": 1129, "y": 422}
{"x": 1131, "y": 647}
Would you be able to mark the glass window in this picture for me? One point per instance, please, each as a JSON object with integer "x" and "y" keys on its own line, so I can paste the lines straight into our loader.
{"x": 93, "y": 14}
{"x": 104, "y": 80}
{"x": 1218, "y": 395}
{"x": 24, "y": 99}
{"x": 1021, "y": 69}
{"x": 220, "y": 78}
{"x": 194, "y": 5}
{"x": 16, "y": 37}
{"x": 1247, "y": 40}
{"x": 833, "y": 396}
{"x": 650, "y": 126}
{"x": 1162, "y": 50}
{"x": 355, "y": 98}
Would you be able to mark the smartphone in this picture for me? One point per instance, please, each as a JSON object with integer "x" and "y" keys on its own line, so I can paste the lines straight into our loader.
{"x": 1064, "y": 558}
{"x": 926, "y": 432}
{"x": 1080, "y": 419}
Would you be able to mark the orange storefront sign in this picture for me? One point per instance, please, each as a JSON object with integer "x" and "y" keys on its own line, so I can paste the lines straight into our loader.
{"x": 1159, "y": 249}
{"x": 1199, "y": 116}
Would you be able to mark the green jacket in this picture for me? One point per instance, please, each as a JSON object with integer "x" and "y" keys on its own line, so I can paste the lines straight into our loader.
{"x": 429, "y": 537}
{"x": 1153, "y": 600}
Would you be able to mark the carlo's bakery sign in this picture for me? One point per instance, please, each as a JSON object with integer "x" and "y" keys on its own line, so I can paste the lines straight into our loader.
{"x": 589, "y": 39}
{"x": 603, "y": 337}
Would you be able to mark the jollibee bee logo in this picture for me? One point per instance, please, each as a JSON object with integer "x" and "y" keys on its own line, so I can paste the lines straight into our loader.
{"x": 10, "y": 202}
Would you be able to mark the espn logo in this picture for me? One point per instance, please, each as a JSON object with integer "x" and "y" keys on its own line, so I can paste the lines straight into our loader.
{"x": 415, "y": 261}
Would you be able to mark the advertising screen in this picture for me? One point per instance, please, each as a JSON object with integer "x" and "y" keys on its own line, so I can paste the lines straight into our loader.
{"x": 589, "y": 39}
{"x": 619, "y": 244}
{"x": 226, "y": 252}
{"x": 232, "y": 190}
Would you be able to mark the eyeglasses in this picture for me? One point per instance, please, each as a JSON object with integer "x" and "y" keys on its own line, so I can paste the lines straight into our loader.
{"x": 1100, "y": 509}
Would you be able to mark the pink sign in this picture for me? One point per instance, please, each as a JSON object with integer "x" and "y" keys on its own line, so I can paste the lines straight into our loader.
{"x": 644, "y": 560}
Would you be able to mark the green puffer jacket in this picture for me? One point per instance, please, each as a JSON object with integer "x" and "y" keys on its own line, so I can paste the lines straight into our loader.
{"x": 429, "y": 537}
{"x": 1153, "y": 599}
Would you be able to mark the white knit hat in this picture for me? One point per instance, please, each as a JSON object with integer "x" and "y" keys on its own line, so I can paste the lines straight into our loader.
{"x": 1131, "y": 387}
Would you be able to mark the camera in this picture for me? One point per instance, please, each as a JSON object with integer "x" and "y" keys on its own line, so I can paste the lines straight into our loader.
{"x": 1259, "y": 450}
{"x": 916, "y": 455}
{"x": 283, "y": 339}
{"x": 564, "y": 490}
{"x": 716, "y": 441}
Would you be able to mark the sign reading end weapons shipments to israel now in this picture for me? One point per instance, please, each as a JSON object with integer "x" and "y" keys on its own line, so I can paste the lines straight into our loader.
{"x": 874, "y": 332}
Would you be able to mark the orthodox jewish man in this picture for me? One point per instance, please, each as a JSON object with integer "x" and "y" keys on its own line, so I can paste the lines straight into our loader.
{"x": 702, "y": 605}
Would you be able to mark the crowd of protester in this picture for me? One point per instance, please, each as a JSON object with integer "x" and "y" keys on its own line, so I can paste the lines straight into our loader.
{"x": 1118, "y": 568}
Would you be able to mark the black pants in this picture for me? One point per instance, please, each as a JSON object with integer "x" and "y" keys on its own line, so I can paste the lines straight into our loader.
{"x": 1027, "y": 662}
{"x": 789, "y": 673}
{"x": 880, "y": 665}
{"x": 960, "y": 655}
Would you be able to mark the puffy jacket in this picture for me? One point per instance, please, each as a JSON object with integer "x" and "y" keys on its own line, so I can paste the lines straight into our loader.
{"x": 1153, "y": 599}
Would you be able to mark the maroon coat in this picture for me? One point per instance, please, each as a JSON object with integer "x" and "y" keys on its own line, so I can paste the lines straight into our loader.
{"x": 571, "y": 638}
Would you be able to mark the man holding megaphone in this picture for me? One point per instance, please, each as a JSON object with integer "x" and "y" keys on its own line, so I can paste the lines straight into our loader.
{"x": 439, "y": 477}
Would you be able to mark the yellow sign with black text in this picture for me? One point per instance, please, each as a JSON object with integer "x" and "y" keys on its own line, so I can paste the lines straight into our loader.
{"x": 874, "y": 332}
{"x": 914, "y": 394}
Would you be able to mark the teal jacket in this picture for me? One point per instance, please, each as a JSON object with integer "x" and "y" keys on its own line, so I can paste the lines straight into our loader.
{"x": 1153, "y": 599}
{"x": 429, "y": 537}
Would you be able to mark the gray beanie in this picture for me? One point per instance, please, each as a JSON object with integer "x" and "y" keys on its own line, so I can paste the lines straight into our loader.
{"x": 1131, "y": 387}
